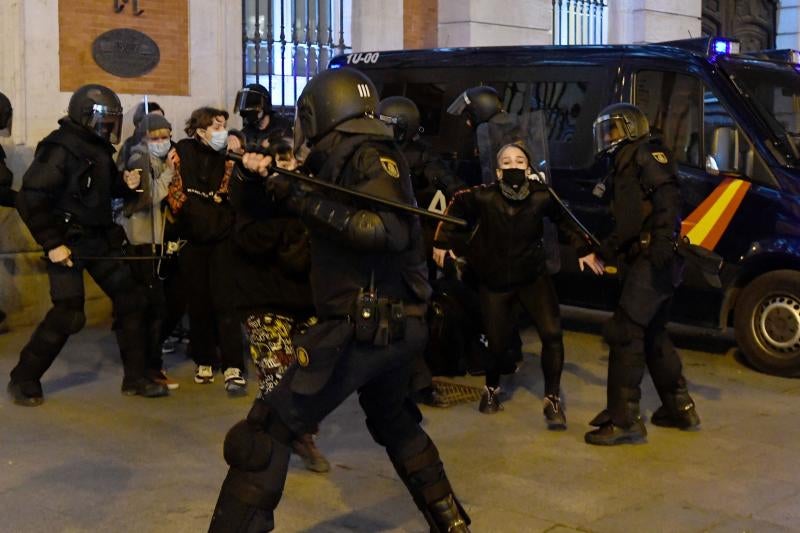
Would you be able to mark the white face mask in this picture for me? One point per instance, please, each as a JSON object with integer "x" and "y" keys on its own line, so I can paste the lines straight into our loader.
{"x": 219, "y": 140}
{"x": 159, "y": 149}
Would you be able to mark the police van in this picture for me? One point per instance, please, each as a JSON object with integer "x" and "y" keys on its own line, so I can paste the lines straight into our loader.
{"x": 731, "y": 120}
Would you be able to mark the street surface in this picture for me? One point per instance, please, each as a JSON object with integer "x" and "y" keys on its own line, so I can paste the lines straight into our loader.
{"x": 90, "y": 459}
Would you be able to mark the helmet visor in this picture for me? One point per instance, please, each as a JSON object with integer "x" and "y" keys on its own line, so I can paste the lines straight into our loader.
{"x": 609, "y": 131}
{"x": 248, "y": 101}
{"x": 459, "y": 105}
{"x": 106, "y": 123}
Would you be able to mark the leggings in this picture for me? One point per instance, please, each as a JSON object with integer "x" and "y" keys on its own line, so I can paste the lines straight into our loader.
{"x": 540, "y": 301}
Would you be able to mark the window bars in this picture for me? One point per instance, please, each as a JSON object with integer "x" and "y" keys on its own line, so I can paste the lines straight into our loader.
{"x": 580, "y": 21}
{"x": 285, "y": 42}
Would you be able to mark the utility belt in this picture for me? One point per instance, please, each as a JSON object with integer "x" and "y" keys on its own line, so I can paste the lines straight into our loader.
{"x": 382, "y": 321}
{"x": 708, "y": 262}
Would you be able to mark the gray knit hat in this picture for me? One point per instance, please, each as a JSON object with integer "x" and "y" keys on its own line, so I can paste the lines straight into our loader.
{"x": 154, "y": 121}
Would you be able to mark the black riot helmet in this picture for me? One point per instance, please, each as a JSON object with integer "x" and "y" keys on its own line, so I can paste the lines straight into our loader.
{"x": 97, "y": 108}
{"x": 478, "y": 104}
{"x": 402, "y": 114}
{"x": 342, "y": 99}
{"x": 618, "y": 124}
{"x": 5, "y": 116}
{"x": 253, "y": 102}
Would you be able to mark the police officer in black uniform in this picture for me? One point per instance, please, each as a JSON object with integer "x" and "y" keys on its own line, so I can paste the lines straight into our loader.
{"x": 369, "y": 289}
{"x": 65, "y": 201}
{"x": 646, "y": 209}
{"x": 254, "y": 104}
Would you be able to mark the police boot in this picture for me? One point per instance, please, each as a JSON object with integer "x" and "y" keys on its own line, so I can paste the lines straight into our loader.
{"x": 447, "y": 516}
{"x": 609, "y": 434}
{"x": 143, "y": 387}
{"x": 677, "y": 411}
{"x": 26, "y": 393}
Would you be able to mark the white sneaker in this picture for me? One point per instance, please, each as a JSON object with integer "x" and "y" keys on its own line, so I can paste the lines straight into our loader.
{"x": 235, "y": 384}
{"x": 204, "y": 374}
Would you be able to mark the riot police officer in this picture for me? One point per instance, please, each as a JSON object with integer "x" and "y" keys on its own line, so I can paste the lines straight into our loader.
{"x": 369, "y": 289}
{"x": 65, "y": 201}
{"x": 254, "y": 104}
{"x": 646, "y": 208}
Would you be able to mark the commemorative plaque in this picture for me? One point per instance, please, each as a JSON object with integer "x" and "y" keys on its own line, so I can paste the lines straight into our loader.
{"x": 126, "y": 52}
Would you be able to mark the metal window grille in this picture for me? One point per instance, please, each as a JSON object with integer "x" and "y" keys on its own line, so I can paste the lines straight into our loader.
{"x": 286, "y": 42}
{"x": 580, "y": 21}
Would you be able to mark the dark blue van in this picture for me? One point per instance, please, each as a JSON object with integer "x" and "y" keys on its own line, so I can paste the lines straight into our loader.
{"x": 732, "y": 120}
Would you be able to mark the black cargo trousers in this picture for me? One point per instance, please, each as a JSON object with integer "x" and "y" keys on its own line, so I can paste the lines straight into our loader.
{"x": 637, "y": 338}
{"x": 67, "y": 317}
{"x": 258, "y": 448}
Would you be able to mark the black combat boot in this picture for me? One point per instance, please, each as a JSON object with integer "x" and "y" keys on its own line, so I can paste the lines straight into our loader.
{"x": 143, "y": 387}
{"x": 610, "y": 434}
{"x": 447, "y": 516}
{"x": 676, "y": 411}
{"x": 554, "y": 413}
{"x": 26, "y": 393}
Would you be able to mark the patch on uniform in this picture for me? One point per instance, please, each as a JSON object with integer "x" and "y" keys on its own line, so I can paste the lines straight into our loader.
{"x": 390, "y": 166}
{"x": 661, "y": 157}
{"x": 302, "y": 357}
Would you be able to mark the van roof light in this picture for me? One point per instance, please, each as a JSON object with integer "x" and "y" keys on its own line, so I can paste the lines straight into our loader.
{"x": 718, "y": 46}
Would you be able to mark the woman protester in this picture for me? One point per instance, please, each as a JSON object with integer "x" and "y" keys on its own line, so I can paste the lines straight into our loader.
{"x": 504, "y": 245}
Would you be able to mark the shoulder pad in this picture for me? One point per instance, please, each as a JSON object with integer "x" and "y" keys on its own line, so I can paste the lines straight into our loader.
{"x": 374, "y": 162}
{"x": 63, "y": 139}
{"x": 657, "y": 166}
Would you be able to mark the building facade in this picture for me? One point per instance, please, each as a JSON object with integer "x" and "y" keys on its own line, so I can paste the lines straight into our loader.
{"x": 205, "y": 58}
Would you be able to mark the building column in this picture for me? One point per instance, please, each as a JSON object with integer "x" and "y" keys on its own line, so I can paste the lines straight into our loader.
{"x": 788, "y": 31}
{"x": 481, "y": 23}
{"x": 377, "y": 25}
{"x": 652, "y": 21}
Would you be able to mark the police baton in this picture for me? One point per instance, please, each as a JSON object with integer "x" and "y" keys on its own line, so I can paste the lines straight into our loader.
{"x": 358, "y": 194}
{"x": 571, "y": 215}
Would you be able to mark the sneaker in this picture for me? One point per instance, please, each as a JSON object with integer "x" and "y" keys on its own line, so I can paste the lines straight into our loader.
{"x": 143, "y": 387}
{"x": 26, "y": 393}
{"x": 235, "y": 384}
{"x": 490, "y": 401}
{"x": 554, "y": 413}
{"x": 305, "y": 447}
{"x": 167, "y": 347}
{"x": 204, "y": 374}
{"x": 160, "y": 376}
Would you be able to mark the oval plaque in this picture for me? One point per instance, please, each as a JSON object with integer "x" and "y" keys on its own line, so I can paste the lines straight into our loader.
{"x": 126, "y": 53}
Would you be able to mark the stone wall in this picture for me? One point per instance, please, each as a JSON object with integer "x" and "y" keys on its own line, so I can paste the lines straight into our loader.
{"x": 29, "y": 76}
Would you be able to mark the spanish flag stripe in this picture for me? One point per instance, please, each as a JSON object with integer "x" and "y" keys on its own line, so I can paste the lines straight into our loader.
{"x": 714, "y": 236}
{"x": 699, "y": 211}
{"x": 712, "y": 216}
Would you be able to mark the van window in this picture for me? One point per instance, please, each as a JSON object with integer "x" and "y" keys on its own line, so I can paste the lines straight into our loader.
{"x": 429, "y": 98}
{"x": 673, "y": 103}
{"x": 727, "y": 149}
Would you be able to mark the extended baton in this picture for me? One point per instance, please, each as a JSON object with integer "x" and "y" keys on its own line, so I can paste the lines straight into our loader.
{"x": 358, "y": 194}
{"x": 572, "y": 217}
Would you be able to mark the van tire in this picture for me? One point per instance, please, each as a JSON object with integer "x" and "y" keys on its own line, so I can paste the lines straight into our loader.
{"x": 767, "y": 322}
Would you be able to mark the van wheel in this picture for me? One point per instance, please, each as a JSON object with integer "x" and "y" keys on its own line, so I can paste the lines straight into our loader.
{"x": 767, "y": 322}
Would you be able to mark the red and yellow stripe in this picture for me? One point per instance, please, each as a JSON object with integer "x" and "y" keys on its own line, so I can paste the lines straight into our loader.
{"x": 706, "y": 224}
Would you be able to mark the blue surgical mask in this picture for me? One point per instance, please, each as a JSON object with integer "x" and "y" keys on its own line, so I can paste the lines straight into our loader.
{"x": 159, "y": 149}
{"x": 219, "y": 140}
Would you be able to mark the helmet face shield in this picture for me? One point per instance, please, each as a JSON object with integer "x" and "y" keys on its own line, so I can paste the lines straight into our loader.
{"x": 609, "y": 132}
{"x": 105, "y": 122}
{"x": 250, "y": 104}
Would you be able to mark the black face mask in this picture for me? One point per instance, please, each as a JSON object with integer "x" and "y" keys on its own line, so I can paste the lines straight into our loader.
{"x": 514, "y": 184}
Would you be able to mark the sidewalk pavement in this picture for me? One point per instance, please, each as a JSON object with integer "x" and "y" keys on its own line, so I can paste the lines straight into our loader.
{"x": 91, "y": 459}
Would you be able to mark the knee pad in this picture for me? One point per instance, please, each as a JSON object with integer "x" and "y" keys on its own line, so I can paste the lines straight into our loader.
{"x": 247, "y": 447}
{"x": 66, "y": 317}
{"x": 620, "y": 330}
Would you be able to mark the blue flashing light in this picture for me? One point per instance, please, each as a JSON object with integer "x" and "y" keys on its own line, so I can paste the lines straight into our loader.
{"x": 333, "y": 66}
{"x": 722, "y": 47}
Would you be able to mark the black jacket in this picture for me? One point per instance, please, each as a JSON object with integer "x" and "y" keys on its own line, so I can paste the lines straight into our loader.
{"x": 272, "y": 254}
{"x": 645, "y": 202}
{"x": 339, "y": 269}
{"x": 503, "y": 242}
{"x": 73, "y": 176}
{"x": 202, "y": 219}
{"x": 277, "y": 127}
